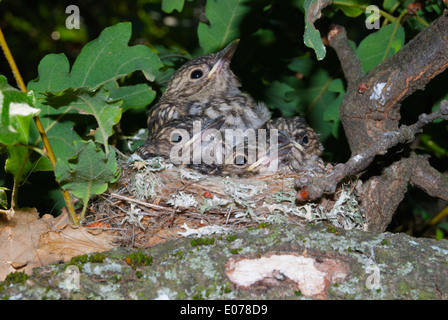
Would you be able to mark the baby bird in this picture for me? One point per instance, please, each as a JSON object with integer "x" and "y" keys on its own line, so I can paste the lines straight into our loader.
{"x": 201, "y": 146}
{"x": 180, "y": 133}
{"x": 300, "y": 158}
{"x": 266, "y": 158}
{"x": 206, "y": 87}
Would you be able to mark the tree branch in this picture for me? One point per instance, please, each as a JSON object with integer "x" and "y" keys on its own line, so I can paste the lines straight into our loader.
{"x": 350, "y": 63}
{"x": 429, "y": 179}
{"x": 368, "y": 114}
{"x": 316, "y": 187}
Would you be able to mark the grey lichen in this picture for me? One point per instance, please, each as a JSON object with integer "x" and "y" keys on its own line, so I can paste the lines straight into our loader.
{"x": 182, "y": 200}
{"x": 243, "y": 193}
{"x": 182, "y": 271}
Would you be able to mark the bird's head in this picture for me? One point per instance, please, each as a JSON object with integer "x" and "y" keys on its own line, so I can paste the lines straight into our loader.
{"x": 205, "y": 76}
{"x": 247, "y": 159}
{"x": 182, "y": 133}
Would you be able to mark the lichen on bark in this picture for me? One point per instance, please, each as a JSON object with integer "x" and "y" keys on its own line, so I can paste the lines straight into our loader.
{"x": 181, "y": 270}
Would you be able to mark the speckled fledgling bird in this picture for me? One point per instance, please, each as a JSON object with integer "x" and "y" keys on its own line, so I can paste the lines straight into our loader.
{"x": 254, "y": 155}
{"x": 181, "y": 132}
{"x": 206, "y": 87}
{"x": 307, "y": 158}
{"x": 268, "y": 159}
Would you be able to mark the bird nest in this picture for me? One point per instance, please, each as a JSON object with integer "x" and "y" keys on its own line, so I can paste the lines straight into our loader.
{"x": 154, "y": 201}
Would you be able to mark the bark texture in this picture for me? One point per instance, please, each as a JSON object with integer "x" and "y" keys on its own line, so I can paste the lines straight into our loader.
{"x": 338, "y": 264}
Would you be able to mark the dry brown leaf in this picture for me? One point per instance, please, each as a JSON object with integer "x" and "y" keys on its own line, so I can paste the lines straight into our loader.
{"x": 28, "y": 242}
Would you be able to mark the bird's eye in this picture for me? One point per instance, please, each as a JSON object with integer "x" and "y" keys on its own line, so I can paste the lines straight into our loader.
{"x": 196, "y": 74}
{"x": 305, "y": 140}
{"x": 176, "y": 137}
{"x": 240, "y": 160}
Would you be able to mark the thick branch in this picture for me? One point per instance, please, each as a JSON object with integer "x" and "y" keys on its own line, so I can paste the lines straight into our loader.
{"x": 285, "y": 262}
{"x": 366, "y": 115}
{"x": 357, "y": 163}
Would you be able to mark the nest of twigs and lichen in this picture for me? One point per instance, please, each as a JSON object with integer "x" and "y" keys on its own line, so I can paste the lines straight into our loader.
{"x": 154, "y": 201}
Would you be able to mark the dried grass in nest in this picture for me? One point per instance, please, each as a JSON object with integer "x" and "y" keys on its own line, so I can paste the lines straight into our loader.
{"x": 154, "y": 201}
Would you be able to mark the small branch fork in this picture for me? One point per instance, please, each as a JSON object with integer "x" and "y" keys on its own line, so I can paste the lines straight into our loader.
{"x": 317, "y": 186}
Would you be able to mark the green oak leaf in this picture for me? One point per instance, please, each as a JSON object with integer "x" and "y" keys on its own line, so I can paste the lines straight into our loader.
{"x": 380, "y": 45}
{"x": 312, "y": 38}
{"x": 3, "y": 198}
{"x": 351, "y": 8}
{"x": 225, "y": 17}
{"x": 96, "y": 103}
{"x": 169, "y": 6}
{"x": 21, "y": 162}
{"x": 88, "y": 172}
{"x": 315, "y": 99}
{"x": 276, "y": 99}
{"x": 303, "y": 65}
{"x": 389, "y": 4}
{"x": 172, "y": 59}
{"x": 101, "y": 61}
{"x": 133, "y": 97}
{"x": 16, "y": 114}
{"x": 331, "y": 113}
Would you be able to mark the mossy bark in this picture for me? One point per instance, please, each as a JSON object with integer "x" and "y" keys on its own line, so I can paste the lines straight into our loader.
{"x": 406, "y": 267}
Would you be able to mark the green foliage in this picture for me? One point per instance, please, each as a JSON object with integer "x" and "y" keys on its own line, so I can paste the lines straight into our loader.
{"x": 225, "y": 19}
{"x": 380, "y": 45}
{"x": 3, "y": 198}
{"x": 317, "y": 102}
{"x": 312, "y": 37}
{"x": 331, "y": 113}
{"x": 170, "y": 5}
{"x": 351, "y": 8}
{"x": 16, "y": 113}
{"x": 88, "y": 173}
{"x": 90, "y": 90}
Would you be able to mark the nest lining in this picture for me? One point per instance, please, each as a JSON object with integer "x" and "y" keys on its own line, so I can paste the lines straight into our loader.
{"x": 154, "y": 201}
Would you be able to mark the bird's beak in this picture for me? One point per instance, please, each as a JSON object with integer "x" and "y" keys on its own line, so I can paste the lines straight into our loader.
{"x": 282, "y": 150}
{"x": 215, "y": 124}
{"x": 224, "y": 56}
{"x": 286, "y": 138}
{"x": 287, "y": 143}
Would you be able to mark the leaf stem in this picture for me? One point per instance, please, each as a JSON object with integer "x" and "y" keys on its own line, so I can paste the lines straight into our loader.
{"x": 439, "y": 216}
{"x": 12, "y": 63}
{"x": 394, "y": 32}
{"x": 421, "y": 20}
{"x": 386, "y": 15}
{"x": 40, "y": 128}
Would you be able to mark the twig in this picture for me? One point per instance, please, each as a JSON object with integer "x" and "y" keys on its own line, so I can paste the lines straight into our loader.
{"x": 316, "y": 187}
{"x": 145, "y": 204}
